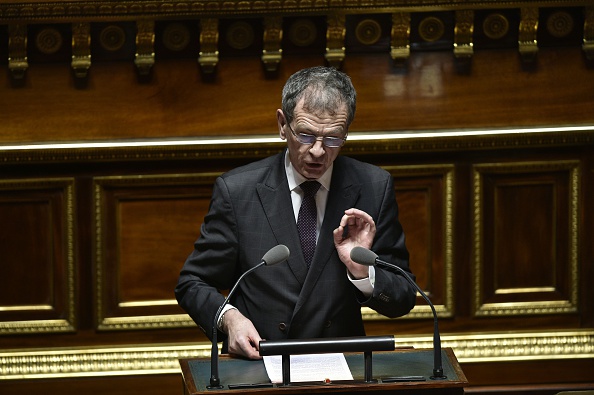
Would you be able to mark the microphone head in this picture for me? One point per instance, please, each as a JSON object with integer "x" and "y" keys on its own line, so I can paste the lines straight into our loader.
{"x": 276, "y": 255}
{"x": 363, "y": 256}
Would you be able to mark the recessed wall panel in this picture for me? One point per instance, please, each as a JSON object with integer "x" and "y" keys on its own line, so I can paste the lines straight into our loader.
{"x": 424, "y": 196}
{"x": 37, "y": 256}
{"x": 145, "y": 229}
{"x": 526, "y": 236}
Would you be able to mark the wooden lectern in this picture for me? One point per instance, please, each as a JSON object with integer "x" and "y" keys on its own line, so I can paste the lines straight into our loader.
{"x": 402, "y": 371}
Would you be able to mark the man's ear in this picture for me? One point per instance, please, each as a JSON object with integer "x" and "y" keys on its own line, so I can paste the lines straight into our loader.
{"x": 280, "y": 119}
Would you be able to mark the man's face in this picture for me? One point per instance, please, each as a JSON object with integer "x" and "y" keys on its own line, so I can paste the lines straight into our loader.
{"x": 312, "y": 160}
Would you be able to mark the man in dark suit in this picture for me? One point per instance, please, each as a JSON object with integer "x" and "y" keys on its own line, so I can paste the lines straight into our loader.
{"x": 257, "y": 206}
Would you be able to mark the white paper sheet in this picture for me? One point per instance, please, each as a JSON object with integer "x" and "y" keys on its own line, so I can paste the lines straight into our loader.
{"x": 309, "y": 367}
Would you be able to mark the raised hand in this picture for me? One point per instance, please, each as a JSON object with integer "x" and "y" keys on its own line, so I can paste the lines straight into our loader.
{"x": 356, "y": 228}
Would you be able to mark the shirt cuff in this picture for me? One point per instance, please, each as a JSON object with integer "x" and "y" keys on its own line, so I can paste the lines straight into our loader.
{"x": 365, "y": 285}
{"x": 220, "y": 320}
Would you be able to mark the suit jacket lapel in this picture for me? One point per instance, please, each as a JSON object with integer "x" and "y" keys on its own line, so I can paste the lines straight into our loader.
{"x": 276, "y": 200}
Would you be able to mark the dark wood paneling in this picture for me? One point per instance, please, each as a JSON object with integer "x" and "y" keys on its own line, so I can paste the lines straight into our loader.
{"x": 526, "y": 252}
{"x": 429, "y": 94}
{"x": 37, "y": 252}
{"x": 160, "y": 384}
{"x": 146, "y": 228}
{"x": 425, "y": 208}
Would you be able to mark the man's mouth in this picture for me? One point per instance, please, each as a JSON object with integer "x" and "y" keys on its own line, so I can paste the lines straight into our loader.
{"x": 314, "y": 165}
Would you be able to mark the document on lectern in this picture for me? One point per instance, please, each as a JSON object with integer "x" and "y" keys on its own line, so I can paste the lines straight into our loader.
{"x": 309, "y": 367}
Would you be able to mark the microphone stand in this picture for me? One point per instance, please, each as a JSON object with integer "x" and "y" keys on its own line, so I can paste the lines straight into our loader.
{"x": 275, "y": 255}
{"x": 215, "y": 381}
{"x": 366, "y": 257}
{"x": 437, "y": 365}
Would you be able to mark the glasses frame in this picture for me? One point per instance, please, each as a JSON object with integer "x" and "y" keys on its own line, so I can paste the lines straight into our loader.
{"x": 324, "y": 139}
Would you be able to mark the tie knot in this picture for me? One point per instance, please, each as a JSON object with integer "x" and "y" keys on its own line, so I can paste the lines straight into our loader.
{"x": 310, "y": 188}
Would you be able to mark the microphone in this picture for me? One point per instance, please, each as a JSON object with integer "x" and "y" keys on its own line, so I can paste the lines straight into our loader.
{"x": 275, "y": 255}
{"x": 366, "y": 257}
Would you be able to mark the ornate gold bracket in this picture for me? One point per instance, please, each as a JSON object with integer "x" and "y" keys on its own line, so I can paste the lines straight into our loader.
{"x": 209, "y": 39}
{"x": 400, "y": 42}
{"x": 527, "y": 42}
{"x": 81, "y": 49}
{"x": 17, "y": 50}
{"x": 145, "y": 46}
{"x": 273, "y": 35}
{"x": 335, "y": 50}
{"x": 463, "y": 45}
{"x": 588, "y": 45}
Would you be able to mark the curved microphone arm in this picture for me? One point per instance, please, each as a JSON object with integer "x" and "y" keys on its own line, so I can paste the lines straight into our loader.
{"x": 275, "y": 255}
{"x": 215, "y": 381}
{"x": 366, "y": 257}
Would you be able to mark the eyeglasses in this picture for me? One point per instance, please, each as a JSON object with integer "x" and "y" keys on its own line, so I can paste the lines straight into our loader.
{"x": 328, "y": 141}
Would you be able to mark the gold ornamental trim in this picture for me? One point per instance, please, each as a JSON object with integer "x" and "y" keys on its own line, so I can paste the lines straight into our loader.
{"x": 128, "y": 10}
{"x": 104, "y": 321}
{"x": 52, "y": 325}
{"x": 445, "y": 310}
{"x": 21, "y": 364}
{"x": 258, "y": 146}
{"x": 528, "y": 307}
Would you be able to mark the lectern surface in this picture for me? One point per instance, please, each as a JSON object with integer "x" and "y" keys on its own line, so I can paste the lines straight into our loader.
{"x": 390, "y": 373}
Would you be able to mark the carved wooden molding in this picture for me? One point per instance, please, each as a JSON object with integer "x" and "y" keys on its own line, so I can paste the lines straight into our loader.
{"x": 261, "y": 146}
{"x": 134, "y": 359}
{"x": 112, "y": 194}
{"x": 56, "y": 197}
{"x": 557, "y": 295}
{"x": 19, "y": 16}
{"x": 81, "y": 48}
{"x": 443, "y": 281}
{"x": 129, "y": 10}
{"x": 400, "y": 36}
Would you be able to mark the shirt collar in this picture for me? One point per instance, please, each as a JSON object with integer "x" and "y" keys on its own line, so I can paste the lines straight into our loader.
{"x": 295, "y": 179}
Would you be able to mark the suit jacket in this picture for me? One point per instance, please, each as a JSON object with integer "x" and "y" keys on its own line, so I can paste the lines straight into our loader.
{"x": 251, "y": 212}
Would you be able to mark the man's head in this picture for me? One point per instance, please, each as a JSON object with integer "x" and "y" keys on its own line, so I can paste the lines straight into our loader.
{"x": 318, "y": 106}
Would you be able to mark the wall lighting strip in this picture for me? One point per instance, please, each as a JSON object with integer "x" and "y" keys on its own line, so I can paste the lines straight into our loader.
{"x": 211, "y": 141}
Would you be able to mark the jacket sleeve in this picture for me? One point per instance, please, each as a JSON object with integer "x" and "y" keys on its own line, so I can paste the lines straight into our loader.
{"x": 393, "y": 296}
{"x": 211, "y": 266}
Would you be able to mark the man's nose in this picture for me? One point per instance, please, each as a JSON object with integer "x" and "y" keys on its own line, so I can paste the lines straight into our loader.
{"x": 317, "y": 148}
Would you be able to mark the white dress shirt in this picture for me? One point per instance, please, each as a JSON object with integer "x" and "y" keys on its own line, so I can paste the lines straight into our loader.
{"x": 295, "y": 179}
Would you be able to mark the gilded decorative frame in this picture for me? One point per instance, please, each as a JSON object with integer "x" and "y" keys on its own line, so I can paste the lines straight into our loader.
{"x": 532, "y": 307}
{"x": 104, "y": 322}
{"x": 67, "y": 324}
{"x": 447, "y": 308}
{"x": 164, "y": 358}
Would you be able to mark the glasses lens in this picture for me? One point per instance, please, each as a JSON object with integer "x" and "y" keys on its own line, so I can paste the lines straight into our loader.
{"x": 306, "y": 138}
{"x": 333, "y": 142}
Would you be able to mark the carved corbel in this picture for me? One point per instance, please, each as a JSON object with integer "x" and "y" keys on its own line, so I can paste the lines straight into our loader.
{"x": 400, "y": 40}
{"x": 145, "y": 46}
{"x": 17, "y": 50}
{"x": 273, "y": 35}
{"x": 588, "y": 45}
{"x": 335, "y": 50}
{"x": 81, "y": 49}
{"x": 527, "y": 41}
{"x": 463, "y": 44}
{"x": 209, "y": 41}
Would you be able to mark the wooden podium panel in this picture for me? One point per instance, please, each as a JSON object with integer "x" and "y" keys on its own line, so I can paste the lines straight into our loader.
{"x": 386, "y": 366}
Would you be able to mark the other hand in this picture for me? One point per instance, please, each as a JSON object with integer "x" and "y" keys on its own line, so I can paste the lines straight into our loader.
{"x": 244, "y": 339}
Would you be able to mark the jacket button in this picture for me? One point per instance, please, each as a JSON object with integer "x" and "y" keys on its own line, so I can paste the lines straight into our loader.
{"x": 282, "y": 327}
{"x": 328, "y": 324}
{"x": 384, "y": 298}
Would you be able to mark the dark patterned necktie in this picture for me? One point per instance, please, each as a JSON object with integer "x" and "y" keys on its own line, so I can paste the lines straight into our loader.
{"x": 307, "y": 220}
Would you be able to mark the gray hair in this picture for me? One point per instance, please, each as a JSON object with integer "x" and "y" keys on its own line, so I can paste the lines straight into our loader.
{"x": 324, "y": 90}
